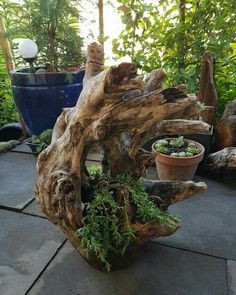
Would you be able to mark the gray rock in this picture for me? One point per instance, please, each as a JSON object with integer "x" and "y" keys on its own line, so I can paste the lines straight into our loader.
{"x": 14, "y": 142}
{"x": 7, "y": 145}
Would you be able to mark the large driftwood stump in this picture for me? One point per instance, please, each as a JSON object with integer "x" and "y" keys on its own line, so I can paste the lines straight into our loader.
{"x": 220, "y": 162}
{"x": 207, "y": 92}
{"x": 226, "y": 128}
{"x": 116, "y": 108}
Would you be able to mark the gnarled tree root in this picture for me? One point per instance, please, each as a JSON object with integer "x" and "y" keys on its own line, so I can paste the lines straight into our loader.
{"x": 116, "y": 108}
{"x": 220, "y": 162}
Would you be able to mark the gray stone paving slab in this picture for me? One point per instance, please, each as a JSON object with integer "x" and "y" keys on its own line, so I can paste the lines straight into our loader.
{"x": 27, "y": 244}
{"x": 159, "y": 270}
{"x": 34, "y": 209}
{"x": 208, "y": 221}
{"x": 17, "y": 173}
{"x": 231, "y": 274}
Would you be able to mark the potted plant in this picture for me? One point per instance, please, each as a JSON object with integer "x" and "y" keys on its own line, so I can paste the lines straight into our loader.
{"x": 39, "y": 143}
{"x": 107, "y": 238}
{"x": 177, "y": 158}
{"x": 204, "y": 138}
{"x": 41, "y": 92}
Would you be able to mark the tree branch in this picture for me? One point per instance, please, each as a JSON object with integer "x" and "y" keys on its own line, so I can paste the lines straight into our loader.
{"x": 167, "y": 192}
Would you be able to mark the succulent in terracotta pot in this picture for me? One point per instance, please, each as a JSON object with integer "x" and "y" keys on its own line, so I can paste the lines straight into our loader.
{"x": 177, "y": 158}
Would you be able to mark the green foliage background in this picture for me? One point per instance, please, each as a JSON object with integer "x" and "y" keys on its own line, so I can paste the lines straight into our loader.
{"x": 52, "y": 24}
{"x": 166, "y": 33}
{"x": 175, "y": 34}
{"x": 8, "y": 111}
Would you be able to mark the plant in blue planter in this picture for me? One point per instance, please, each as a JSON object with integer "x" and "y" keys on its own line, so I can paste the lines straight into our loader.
{"x": 41, "y": 92}
{"x": 41, "y": 96}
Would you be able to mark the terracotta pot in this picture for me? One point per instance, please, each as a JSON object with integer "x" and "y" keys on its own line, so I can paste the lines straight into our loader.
{"x": 178, "y": 168}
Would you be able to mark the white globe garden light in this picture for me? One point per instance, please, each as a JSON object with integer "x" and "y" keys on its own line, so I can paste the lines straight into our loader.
{"x": 28, "y": 49}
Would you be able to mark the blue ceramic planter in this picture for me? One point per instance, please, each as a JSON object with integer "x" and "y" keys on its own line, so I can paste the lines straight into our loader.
{"x": 41, "y": 97}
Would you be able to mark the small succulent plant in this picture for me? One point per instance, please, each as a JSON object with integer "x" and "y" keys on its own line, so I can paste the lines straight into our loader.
{"x": 177, "y": 142}
{"x": 177, "y": 147}
{"x": 44, "y": 138}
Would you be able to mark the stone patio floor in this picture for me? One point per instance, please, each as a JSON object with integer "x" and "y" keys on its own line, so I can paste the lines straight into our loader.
{"x": 35, "y": 258}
